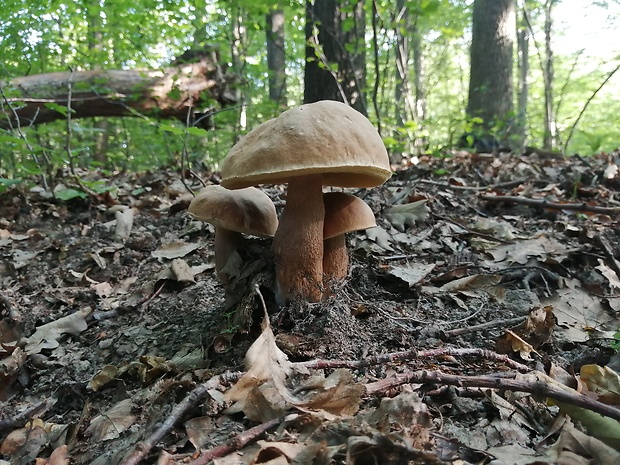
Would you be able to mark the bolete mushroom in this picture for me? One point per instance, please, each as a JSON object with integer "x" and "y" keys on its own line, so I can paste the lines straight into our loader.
{"x": 233, "y": 213}
{"x": 344, "y": 213}
{"x": 322, "y": 143}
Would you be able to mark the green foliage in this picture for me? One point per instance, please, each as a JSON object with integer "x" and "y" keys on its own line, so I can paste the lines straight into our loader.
{"x": 40, "y": 37}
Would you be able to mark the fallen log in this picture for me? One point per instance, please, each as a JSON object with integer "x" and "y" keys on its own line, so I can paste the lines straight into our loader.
{"x": 177, "y": 92}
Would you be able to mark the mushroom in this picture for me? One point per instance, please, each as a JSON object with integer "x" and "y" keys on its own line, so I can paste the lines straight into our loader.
{"x": 322, "y": 143}
{"x": 233, "y": 213}
{"x": 343, "y": 213}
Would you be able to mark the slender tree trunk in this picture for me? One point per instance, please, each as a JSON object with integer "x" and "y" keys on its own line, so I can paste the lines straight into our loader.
{"x": 491, "y": 84}
{"x": 523, "y": 62}
{"x": 402, "y": 89}
{"x": 238, "y": 47}
{"x": 276, "y": 59}
{"x": 550, "y": 134}
{"x": 419, "y": 113}
{"x": 96, "y": 49}
{"x": 335, "y": 55}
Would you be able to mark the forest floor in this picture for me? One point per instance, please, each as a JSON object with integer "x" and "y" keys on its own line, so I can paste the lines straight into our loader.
{"x": 476, "y": 326}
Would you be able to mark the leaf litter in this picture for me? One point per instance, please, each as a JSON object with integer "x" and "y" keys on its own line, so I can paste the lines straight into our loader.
{"x": 476, "y": 326}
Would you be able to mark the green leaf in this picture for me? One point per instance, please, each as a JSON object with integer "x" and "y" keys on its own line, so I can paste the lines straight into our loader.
{"x": 63, "y": 110}
{"x": 68, "y": 194}
{"x": 194, "y": 131}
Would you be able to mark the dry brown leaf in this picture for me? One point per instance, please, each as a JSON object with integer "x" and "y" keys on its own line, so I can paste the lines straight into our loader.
{"x": 112, "y": 423}
{"x": 579, "y": 315}
{"x": 173, "y": 250}
{"x": 47, "y": 335}
{"x": 541, "y": 247}
{"x": 582, "y": 446}
{"x": 412, "y": 273}
{"x": 603, "y": 381}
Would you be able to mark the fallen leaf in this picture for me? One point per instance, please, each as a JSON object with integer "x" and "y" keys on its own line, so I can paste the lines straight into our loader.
{"x": 175, "y": 250}
{"x": 112, "y": 423}
{"x": 47, "y": 335}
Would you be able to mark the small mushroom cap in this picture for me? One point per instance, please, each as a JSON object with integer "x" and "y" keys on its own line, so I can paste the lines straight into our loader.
{"x": 248, "y": 211}
{"x": 345, "y": 213}
{"x": 325, "y": 137}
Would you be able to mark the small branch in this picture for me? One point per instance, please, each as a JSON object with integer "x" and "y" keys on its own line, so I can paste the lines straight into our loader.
{"x": 236, "y": 443}
{"x": 583, "y": 110}
{"x": 411, "y": 355}
{"x": 542, "y": 203}
{"x": 490, "y": 324}
{"x": 501, "y": 185}
{"x": 539, "y": 388}
{"x": 144, "y": 447}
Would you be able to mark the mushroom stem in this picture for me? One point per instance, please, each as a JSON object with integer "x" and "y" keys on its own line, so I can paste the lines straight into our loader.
{"x": 335, "y": 263}
{"x": 298, "y": 242}
{"x": 225, "y": 243}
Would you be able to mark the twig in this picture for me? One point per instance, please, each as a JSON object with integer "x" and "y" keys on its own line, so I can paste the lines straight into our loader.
{"x": 542, "y": 203}
{"x": 488, "y": 237}
{"x": 23, "y": 417}
{"x": 236, "y": 443}
{"x": 501, "y": 185}
{"x": 490, "y": 324}
{"x": 608, "y": 251}
{"x": 585, "y": 106}
{"x": 538, "y": 388}
{"x": 144, "y": 447}
{"x": 411, "y": 355}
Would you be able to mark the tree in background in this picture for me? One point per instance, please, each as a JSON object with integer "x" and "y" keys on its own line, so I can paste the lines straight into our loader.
{"x": 335, "y": 53}
{"x": 490, "y": 98}
{"x": 276, "y": 58}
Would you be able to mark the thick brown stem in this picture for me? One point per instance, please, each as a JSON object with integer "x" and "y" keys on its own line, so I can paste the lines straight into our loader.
{"x": 335, "y": 262}
{"x": 298, "y": 243}
{"x": 225, "y": 243}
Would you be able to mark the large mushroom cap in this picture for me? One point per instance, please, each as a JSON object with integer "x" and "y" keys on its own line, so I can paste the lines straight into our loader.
{"x": 326, "y": 137}
{"x": 248, "y": 211}
{"x": 345, "y": 213}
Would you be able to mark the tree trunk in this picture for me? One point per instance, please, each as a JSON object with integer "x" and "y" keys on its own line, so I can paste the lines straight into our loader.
{"x": 335, "y": 55}
{"x": 237, "y": 49}
{"x": 419, "y": 113}
{"x": 524, "y": 67}
{"x": 491, "y": 85}
{"x": 173, "y": 92}
{"x": 96, "y": 49}
{"x": 549, "y": 135}
{"x": 402, "y": 92}
{"x": 276, "y": 60}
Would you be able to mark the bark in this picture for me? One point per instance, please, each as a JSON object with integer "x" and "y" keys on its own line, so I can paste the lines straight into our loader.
{"x": 335, "y": 56}
{"x": 491, "y": 84}
{"x": 276, "y": 60}
{"x": 174, "y": 92}
{"x": 524, "y": 66}
{"x": 549, "y": 135}
{"x": 401, "y": 90}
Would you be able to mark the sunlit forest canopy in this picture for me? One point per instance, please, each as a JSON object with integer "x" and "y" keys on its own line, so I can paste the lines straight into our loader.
{"x": 565, "y": 56}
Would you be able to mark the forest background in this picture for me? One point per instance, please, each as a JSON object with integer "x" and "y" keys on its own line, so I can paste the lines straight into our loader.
{"x": 415, "y": 56}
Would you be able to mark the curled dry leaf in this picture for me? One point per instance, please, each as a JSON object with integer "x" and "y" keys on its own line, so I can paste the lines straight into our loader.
{"x": 112, "y": 423}
{"x": 46, "y": 336}
{"x": 408, "y": 214}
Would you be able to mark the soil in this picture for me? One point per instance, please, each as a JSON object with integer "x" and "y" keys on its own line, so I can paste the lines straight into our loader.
{"x": 145, "y": 333}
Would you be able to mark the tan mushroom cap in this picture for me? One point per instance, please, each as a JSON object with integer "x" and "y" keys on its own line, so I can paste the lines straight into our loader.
{"x": 325, "y": 137}
{"x": 248, "y": 211}
{"x": 345, "y": 213}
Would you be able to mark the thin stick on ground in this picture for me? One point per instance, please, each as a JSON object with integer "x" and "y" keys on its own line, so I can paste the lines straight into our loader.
{"x": 542, "y": 203}
{"x": 236, "y": 443}
{"x": 192, "y": 399}
{"x": 412, "y": 355}
{"x": 539, "y": 388}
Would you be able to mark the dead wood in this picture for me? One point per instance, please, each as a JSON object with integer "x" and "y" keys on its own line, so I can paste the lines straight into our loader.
{"x": 175, "y": 92}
